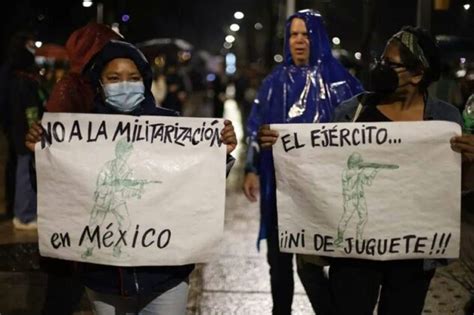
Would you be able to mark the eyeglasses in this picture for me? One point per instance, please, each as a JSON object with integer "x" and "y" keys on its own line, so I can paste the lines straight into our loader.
{"x": 392, "y": 64}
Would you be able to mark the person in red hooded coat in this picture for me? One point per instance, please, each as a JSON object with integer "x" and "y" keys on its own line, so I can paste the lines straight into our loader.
{"x": 74, "y": 93}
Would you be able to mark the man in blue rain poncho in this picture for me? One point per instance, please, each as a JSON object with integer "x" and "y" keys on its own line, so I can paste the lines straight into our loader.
{"x": 304, "y": 89}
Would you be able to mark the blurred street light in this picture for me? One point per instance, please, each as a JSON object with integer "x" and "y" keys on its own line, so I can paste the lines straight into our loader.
{"x": 87, "y": 3}
{"x": 336, "y": 40}
{"x": 230, "y": 59}
{"x": 210, "y": 77}
{"x": 239, "y": 15}
{"x": 258, "y": 26}
{"x": 278, "y": 58}
{"x": 358, "y": 55}
{"x": 125, "y": 18}
{"x": 227, "y": 45}
{"x": 467, "y": 6}
{"x": 230, "y": 39}
{"x": 38, "y": 44}
{"x": 230, "y": 62}
{"x": 234, "y": 27}
{"x": 461, "y": 73}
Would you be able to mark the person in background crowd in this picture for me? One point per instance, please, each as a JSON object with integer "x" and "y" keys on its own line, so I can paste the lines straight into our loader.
{"x": 176, "y": 92}
{"x": 74, "y": 92}
{"x": 447, "y": 88}
{"x": 24, "y": 101}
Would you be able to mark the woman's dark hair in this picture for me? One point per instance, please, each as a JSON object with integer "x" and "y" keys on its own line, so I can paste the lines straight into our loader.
{"x": 431, "y": 52}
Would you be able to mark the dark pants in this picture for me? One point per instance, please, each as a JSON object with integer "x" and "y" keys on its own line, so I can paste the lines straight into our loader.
{"x": 355, "y": 286}
{"x": 282, "y": 284}
{"x": 316, "y": 285}
{"x": 25, "y": 203}
{"x": 10, "y": 172}
{"x": 64, "y": 289}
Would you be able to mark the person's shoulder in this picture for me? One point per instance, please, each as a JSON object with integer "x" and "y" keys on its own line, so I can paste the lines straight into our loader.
{"x": 441, "y": 110}
{"x": 67, "y": 83}
{"x": 347, "y": 108}
{"x": 73, "y": 93}
{"x": 443, "y": 105}
{"x": 24, "y": 78}
{"x": 273, "y": 76}
{"x": 161, "y": 111}
{"x": 275, "y": 73}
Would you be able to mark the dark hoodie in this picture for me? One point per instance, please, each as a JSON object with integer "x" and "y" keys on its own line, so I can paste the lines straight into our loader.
{"x": 23, "y": 95}
{"x": 119, "y": 49}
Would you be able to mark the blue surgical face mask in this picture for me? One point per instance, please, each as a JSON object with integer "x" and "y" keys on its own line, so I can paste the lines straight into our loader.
{"x": 124, "y": 96}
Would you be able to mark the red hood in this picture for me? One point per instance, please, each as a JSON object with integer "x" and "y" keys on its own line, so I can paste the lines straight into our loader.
{"x": 85, "y": 42}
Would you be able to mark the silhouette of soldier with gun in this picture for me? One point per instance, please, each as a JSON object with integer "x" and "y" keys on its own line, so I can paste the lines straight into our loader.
{"x": 114, "y": 186}
{"x": 355, "y": 176}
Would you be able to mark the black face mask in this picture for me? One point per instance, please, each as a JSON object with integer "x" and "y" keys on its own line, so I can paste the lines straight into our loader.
{"x": 383, "y": 80}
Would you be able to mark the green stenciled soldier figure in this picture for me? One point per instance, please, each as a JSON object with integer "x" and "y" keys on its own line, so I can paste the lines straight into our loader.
{"x": 355, "y": 176}
{"x": 115, "y": 185}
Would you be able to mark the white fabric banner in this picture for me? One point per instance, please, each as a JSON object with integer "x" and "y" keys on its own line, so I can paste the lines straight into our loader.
{"x": 130, "y": 191}
{"x": 376, "y": 191}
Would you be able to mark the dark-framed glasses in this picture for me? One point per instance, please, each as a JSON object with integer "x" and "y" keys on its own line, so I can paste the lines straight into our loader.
{"x": 392, "y": 64}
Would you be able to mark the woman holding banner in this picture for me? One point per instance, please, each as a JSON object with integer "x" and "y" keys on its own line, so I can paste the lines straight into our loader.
{"x": 122, "y": 77}
{"x": 399, "y": 81}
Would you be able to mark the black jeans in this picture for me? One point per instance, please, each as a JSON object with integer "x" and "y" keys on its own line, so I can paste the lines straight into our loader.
{"x": 355, "y": 286}
{"x": 64, "y": 289}
{"x": 282, "y": 285}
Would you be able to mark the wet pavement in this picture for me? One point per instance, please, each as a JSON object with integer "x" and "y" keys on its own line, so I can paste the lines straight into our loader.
{"x": 235, "y": 283}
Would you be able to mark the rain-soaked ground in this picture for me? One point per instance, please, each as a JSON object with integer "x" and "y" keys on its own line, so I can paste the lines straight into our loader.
{"x": 236, "y": 282}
